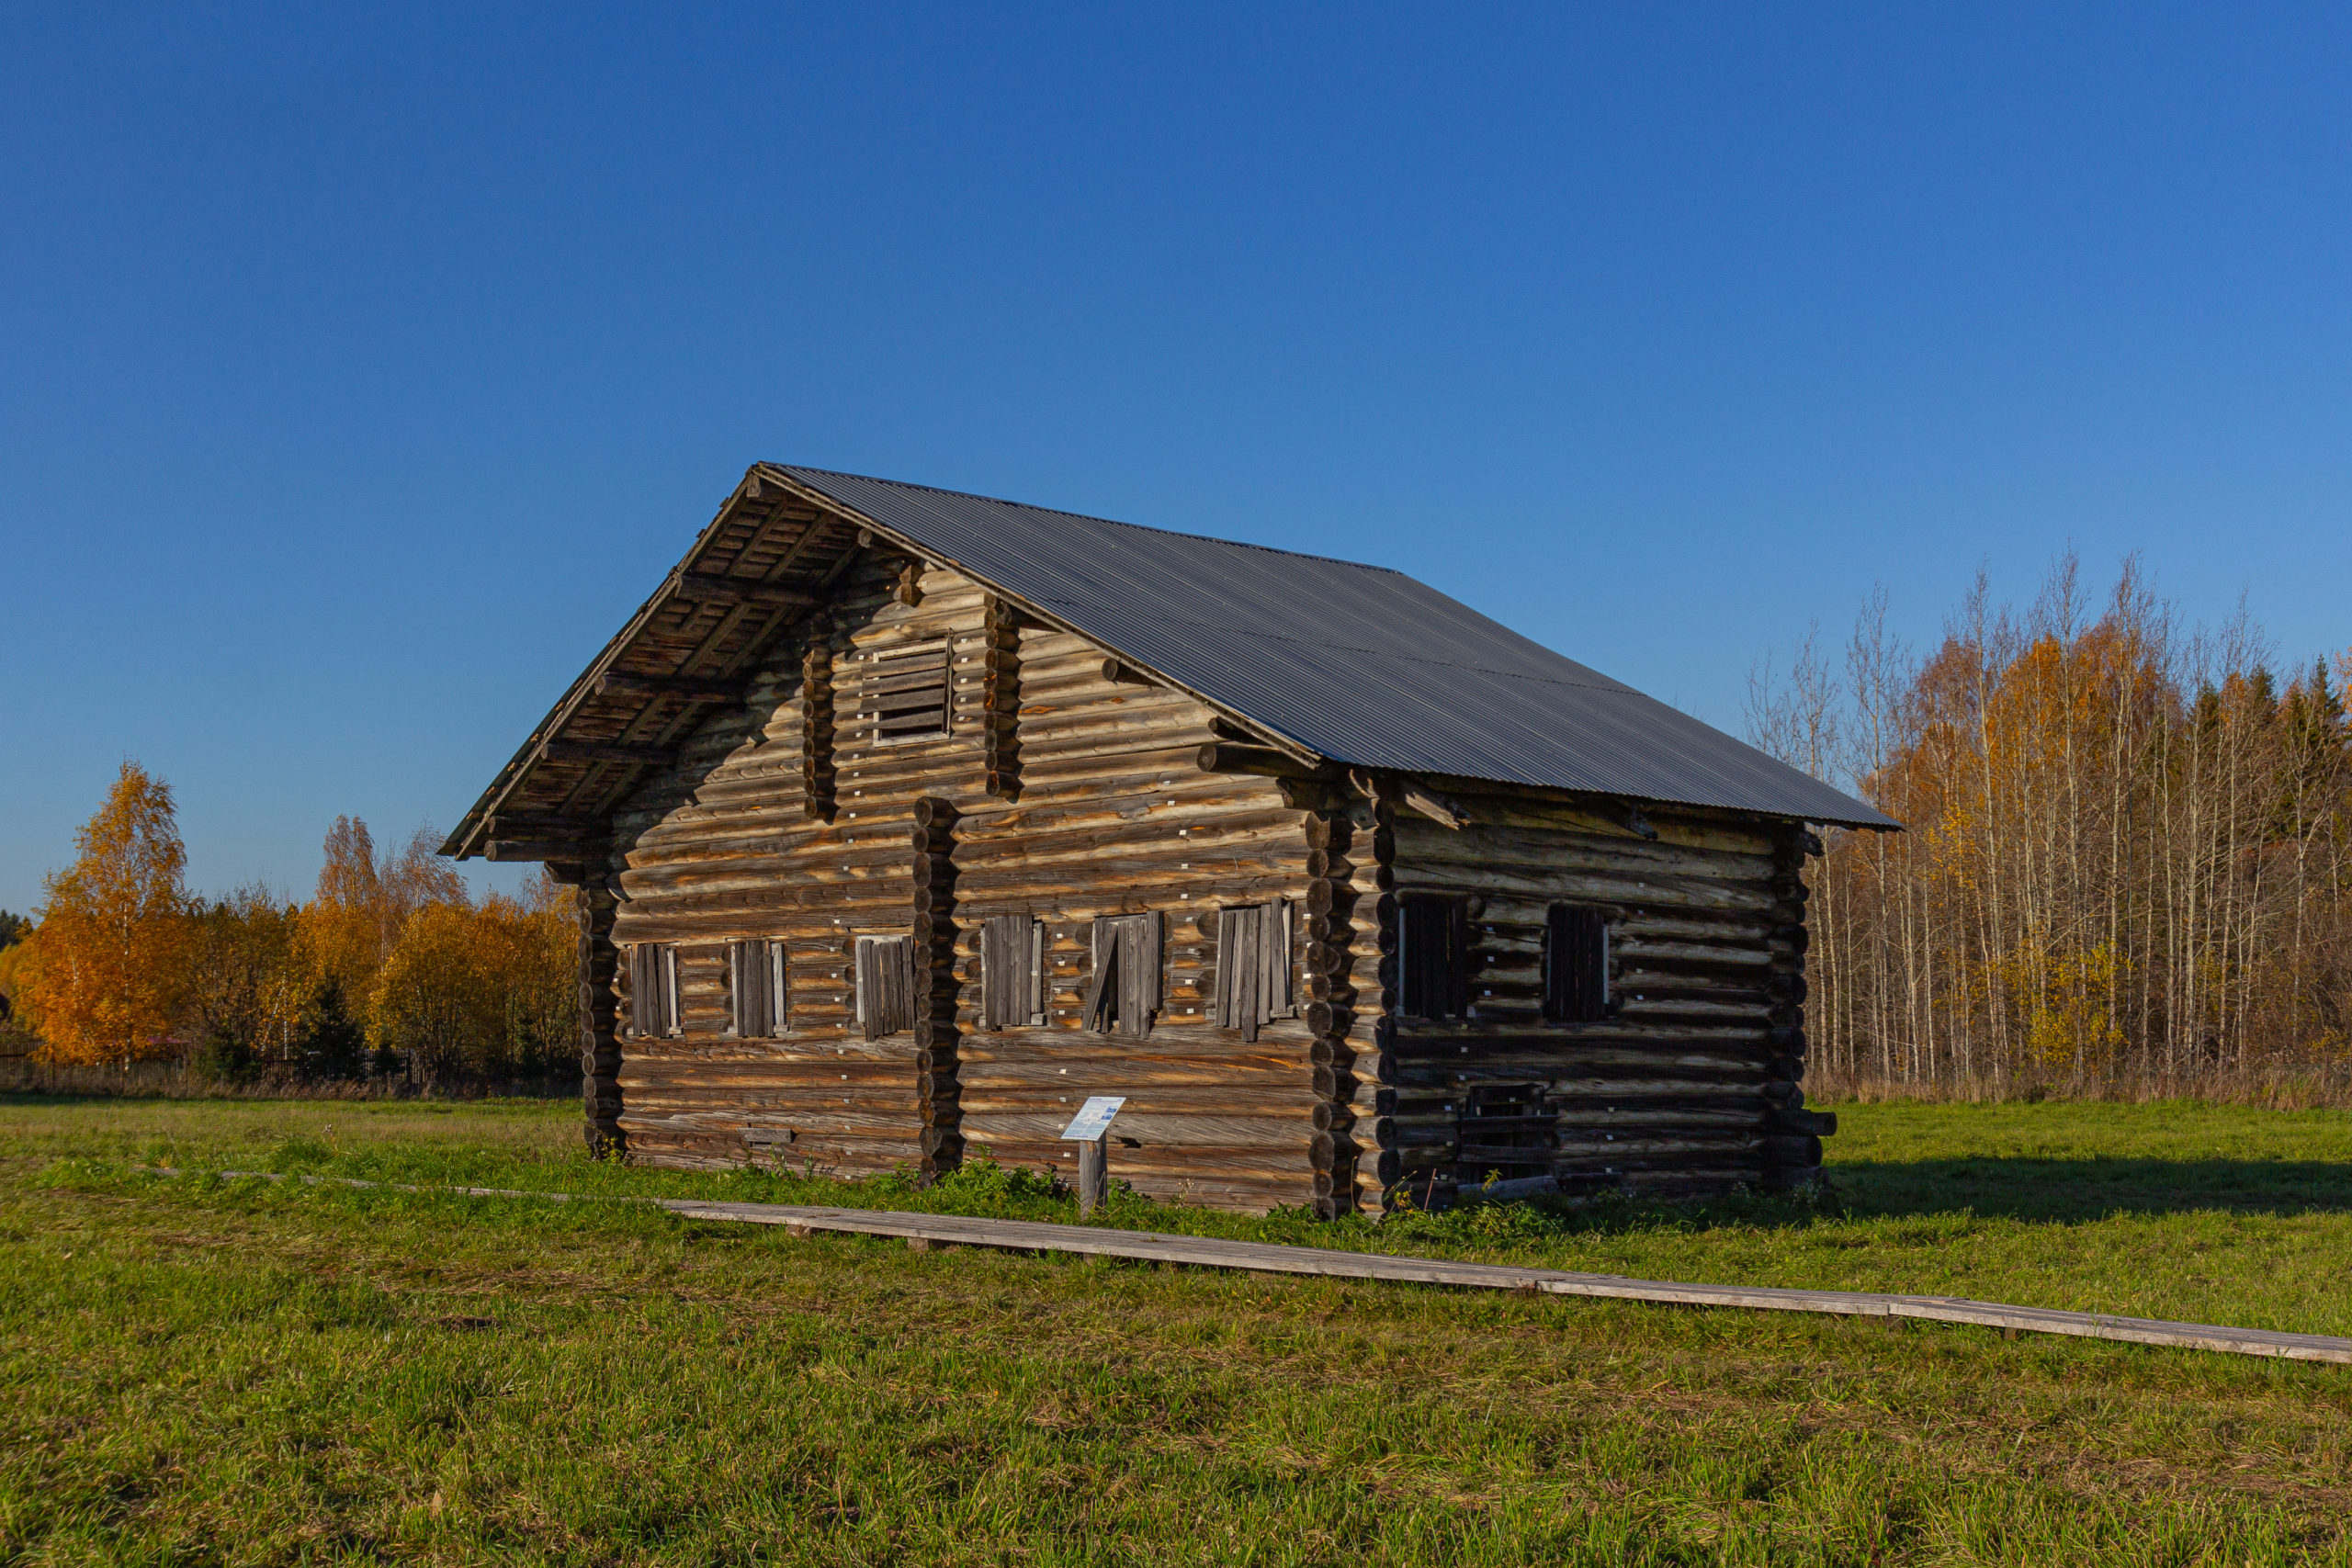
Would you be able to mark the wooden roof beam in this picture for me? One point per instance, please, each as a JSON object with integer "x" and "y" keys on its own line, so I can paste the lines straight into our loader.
{"x": 619, "y": 682}
{"x": 544, "y": 825}
{"x": 1225, "y": 757}
{"x": 709, "y": 588}
{"x": 530, "y": 848}
{"x": 561, "y": 750}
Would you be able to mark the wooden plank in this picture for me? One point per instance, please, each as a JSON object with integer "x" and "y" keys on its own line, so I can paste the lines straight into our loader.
{"x": 1269, "y": 1257}
{"x": 1212, "y": 1252}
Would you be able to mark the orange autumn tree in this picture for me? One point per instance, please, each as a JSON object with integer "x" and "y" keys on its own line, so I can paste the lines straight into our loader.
{"x": 362, "y": 901}
{"x": 108, "y": 969}
{"x": 483, "y": 991}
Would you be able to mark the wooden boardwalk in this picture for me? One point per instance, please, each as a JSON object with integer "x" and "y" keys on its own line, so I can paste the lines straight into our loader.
{"x": 1210, "y": 1252}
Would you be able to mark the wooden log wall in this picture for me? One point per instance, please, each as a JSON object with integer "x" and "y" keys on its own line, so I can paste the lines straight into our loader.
{"x": 1688, "y": 1085}
{"x": 936, "y": 1034}
{"x": 600, "y": 1047}
{"x": 1095, "y": 807}
{"x": 724, "y": 845}
{"x": 1115, "y": 817}
{"x": 1334, "y": 1004}
{"x": 1068, "y": 789}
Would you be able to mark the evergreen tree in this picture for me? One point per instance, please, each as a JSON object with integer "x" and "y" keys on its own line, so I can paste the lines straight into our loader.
{"x": 332, "y": 1045}
{"x": 223, "y": 1055}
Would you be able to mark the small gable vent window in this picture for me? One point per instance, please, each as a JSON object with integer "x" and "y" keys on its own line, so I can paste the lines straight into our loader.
{"x": 653, "y": 990}
{"x": 1124, "y": 995}
{"x": 1012, "y": 972}
{"x": 1253, "y": 967}
{"x": 755, "y": 985}
{"x": 1433, "y": 956}
{"x": 886, "y": 985}
{"x": 1576, "y": 963}
{"x": 906, "y": 692}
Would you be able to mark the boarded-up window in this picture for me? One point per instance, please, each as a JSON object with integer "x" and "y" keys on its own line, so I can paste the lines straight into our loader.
{"x": 886, "y": 985}
{"x": 755, "y": 984}
{"x": 1576, "y": 963}
{"x": 1012, "y": 972}
{"x": 1253, "y": 967}
{"x": 1433, "y": 956}
{"x": 1507, "y": 1130}
{"x": 905, "y": 693}
{"x": 1124, "y": 995}
{"x": 653, "y": 989}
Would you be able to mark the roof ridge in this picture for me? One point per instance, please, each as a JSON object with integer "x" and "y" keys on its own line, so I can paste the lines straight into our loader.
{"x": 1087, "y": 517}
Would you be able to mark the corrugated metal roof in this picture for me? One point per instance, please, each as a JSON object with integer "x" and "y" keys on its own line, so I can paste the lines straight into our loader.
{"x": 1359, "y": 664}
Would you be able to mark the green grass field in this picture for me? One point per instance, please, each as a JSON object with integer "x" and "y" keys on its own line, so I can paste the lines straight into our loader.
{"x": 198, "y": 1370}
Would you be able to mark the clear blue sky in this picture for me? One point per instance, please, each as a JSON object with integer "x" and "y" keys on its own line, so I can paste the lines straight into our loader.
{"x": 359, "y": 376}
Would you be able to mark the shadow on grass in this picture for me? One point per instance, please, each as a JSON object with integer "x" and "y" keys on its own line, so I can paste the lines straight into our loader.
{"x": 2090, "y": 1188}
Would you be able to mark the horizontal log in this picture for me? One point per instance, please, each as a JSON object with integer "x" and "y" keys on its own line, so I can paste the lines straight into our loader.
{"x": 1230, "y": 757}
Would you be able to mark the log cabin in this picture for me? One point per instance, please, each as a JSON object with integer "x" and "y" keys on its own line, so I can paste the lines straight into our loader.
{"x": 900, "y": 821}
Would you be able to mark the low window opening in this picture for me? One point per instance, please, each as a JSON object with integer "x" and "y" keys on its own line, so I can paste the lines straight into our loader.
{"x": 1433, "y": 956}
{"x": 886, "y": 985}
{"x": 654, "y": 990}
{"x": 906, "y": 694}
{"x": 1576, "y": 963}
{"x": 1012, "y": 972}
{"x": 755, "y": 983}
{"x": 1505, "y": 1131}
{"x": 1125, "y": 993}
{"x": 1254, "y": 972}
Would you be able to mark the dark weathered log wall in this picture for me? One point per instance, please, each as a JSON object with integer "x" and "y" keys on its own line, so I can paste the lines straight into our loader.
{"x": 1688, "y": 1084}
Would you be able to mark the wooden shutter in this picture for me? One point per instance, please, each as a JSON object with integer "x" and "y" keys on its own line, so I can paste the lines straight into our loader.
{"x": 1236, "y": 970}
{"x": 1126, "y": 990}
{"x": 1011, "y": 987}
{"x": 906, "y": 694}
{"x": 779, "y": 988}
{"x": 1275, "y": 995}
{"x": 755, "y": 983}
{"x": 886, "y": 985}
{"x": 1253, "y": 967}
{"x": 671, "y": 1021}
{"x": 1576, "y": 963}
{"x": 1141, "y": 943}
{"x": 641, "y": 992}
{"x": 869, "y": 986}
{"x": 1040, "y": 996}
{"x": 653, "y": 989}
{"x": 1102, "y": 993}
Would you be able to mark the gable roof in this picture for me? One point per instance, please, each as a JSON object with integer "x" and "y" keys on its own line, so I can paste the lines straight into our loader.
{"x": 1358, "y": 664}
{"x": 1353, "y": 664}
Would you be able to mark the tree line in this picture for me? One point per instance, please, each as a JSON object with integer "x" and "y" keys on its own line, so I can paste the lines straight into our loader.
{"x": 392, "y": 967}
{"x": 2128, "y": 855}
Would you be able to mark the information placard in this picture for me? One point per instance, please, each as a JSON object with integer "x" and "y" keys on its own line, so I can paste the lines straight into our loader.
{"x": 1093, "y": 1118}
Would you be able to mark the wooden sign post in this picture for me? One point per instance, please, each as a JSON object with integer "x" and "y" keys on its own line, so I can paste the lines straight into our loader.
{"x": 1091, "y": 1131}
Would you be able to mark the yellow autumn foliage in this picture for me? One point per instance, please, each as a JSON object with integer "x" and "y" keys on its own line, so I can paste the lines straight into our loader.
{"x": 108, "y": 968}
